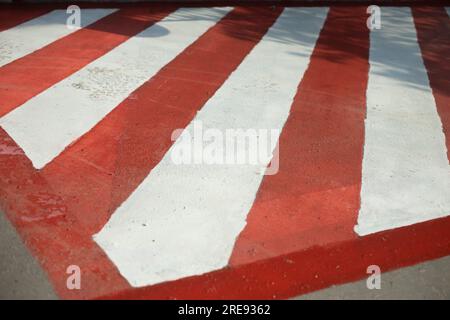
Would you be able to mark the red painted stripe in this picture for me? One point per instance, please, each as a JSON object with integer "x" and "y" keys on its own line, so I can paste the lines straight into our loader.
{"x": 308, "y": 270}
{"x": 314, "y": 198}
{"x": 74, "y": 196}
{"x": 24, "y": 78}
{"x": 433, "y": 33}
{"x": 11, "y": 16}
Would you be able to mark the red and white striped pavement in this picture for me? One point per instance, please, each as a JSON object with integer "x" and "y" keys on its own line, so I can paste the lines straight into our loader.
{"x": 87, "y": 116}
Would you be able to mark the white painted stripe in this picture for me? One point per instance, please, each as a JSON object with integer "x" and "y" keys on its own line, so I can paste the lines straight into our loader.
{"x": 39, "y": 32}
{"x": 45, "y": 125}
{"x": 183, "y": 220}
{"x": 448, "y": 10}
{"x": 406, "y": 176}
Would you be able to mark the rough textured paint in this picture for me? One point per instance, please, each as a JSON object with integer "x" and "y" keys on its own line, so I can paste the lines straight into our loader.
{"x": 39, "y": 32}
{"x": 45, "y": 125}
{"x": 69, "y": 54}
{"x": 406, "y": 174}
{"x": 183, "y": 219}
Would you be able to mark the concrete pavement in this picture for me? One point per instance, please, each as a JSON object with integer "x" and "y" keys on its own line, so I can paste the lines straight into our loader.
{"x": 21, "y": 277}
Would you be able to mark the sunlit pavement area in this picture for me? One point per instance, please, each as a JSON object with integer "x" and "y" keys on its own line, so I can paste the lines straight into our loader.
{"x": 94, "y": 204}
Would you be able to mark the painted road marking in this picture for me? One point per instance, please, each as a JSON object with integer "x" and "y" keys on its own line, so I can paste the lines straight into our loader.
{"x": 45, "y": 125}
{"x": 183, "y": 220}
{"x": 39, "y": 32}
{"x": 96, "y": 174}
{"x": 135, "y": 137}
{"x": 56, "y": 210}
{"x": 314, "y": 198}
{"x": 405, "y": 176}
{"x": 69, "y": 54}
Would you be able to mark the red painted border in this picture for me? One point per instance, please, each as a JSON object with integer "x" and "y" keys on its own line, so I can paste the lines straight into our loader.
{"x": 312, "y": 269}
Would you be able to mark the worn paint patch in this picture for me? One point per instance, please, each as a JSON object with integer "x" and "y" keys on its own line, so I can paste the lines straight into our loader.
{"x": 63, "y": 57}
{"x": 45, "y": 125}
